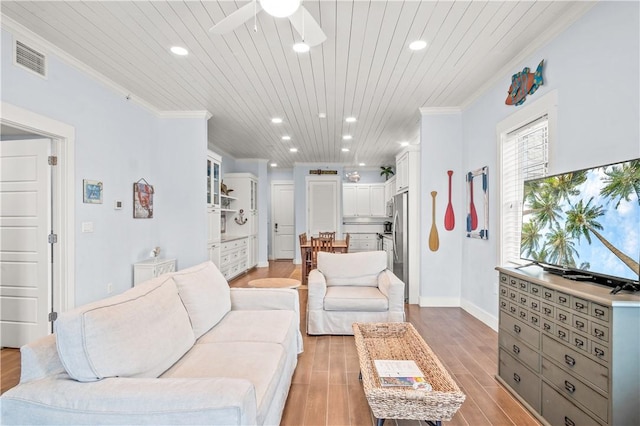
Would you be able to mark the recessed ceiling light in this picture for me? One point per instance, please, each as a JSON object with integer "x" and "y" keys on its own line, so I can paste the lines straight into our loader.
{"x": 322, "y": 115}
{"x": 301, "y": 47}
{"x": 180, "y": 51}
{"x": 274, "y": 165}
{"x": 347, "y": 137}
{"x": 350, "y": 119}
{"x": 293, "y": 149}
{"x": 361, "y": 164}
{"x": 276, "y": 120}
{"x": 418, "y": 45}
{"x": 345, "y": 149}
{"x": 286, "y": 138}
{"x": 405, "y": 143}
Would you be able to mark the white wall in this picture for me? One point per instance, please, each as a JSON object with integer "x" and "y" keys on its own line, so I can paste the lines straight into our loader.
{"x": 118, "y": 142}
{"x": 594, "y": 65}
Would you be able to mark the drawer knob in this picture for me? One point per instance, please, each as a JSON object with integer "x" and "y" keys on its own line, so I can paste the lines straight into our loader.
{"x": 569, "y": 361}
{"x": 569, "y": 387}
{"x": 547, "y": 327}
{"x": 562, "y": 334}
{"x": 547, "y": 311}
{"x": 534, "y": 305}
{"x": 579, "y": 305}
{"x": 562, "y": 317}
{"x": 516, "y": 349}
{"x": 523, "y": 314}
{"x": 534, "y": 320}
{"x": 599, "y": 333}
{"x": 599, "y": 352}
{"x": 562, "y": 299}
{"x": 516, "y": 328}
{"x": 579, "y": 342}
{"x": 516, "y": 378}
{"x": 599, "y": 312}
{"x": 568, "y": 421}
{"x": 579, "y": 324}
{"x": 513, "y": 310}
{"x": 547, "y": 295}
{"x": 534, "y": 290}
{"x": 523, "y": 300}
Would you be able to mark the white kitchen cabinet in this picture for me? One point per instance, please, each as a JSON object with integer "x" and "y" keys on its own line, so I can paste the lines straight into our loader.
{"x": 234, "y": 257}
{"x": 402, "y": 172}
{"x": 213, "y": 219}
{"x": 363, "y": 242}
{"x": 389, "y": 189}
{"x": 363, "y": 200}
{"x": 151, "y": 268}
{"x": 214, "y": 253}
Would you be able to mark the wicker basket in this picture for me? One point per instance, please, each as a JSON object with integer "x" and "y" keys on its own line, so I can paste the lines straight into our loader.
{"x": 401, "y": 341}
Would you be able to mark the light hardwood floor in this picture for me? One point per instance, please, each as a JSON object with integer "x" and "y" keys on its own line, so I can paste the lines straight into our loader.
{"x": 325, "y": 388}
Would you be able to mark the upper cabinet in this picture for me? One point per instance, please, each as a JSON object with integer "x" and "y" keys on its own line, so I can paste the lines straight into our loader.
{"x": 363, "y": 200}
{"x": 213, "y": 179}
{"x": 402, "y": 172}
{"x": 389, "y": 189}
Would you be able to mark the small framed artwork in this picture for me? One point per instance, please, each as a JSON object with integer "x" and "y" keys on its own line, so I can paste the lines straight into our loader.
{"x": 142, "y": 200}
{"x": 91, "y": 191}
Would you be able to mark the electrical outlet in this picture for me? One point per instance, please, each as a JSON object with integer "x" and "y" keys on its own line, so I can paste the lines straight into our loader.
{"x": 109, "y": 288}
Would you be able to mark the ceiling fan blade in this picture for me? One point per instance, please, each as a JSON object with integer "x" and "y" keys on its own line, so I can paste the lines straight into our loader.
{"x": 237, "y": 18}
{"x": 313, "y": 34}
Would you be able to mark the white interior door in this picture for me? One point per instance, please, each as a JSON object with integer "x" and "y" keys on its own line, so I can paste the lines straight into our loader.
{"x": 282, "y": 219}
{"x": 25, "y": 254}
{"x": 323, "y": 206}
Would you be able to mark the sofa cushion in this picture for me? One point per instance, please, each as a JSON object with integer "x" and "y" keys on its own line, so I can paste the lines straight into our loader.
{"x": 352, "y": 269}
{"x": 206, "y": 295}
{"x": 139, "y": 333}
{"x": 355, "y": 299}
{"x": 261, "y": 363}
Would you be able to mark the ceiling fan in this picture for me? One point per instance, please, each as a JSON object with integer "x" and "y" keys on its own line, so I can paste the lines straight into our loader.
{"x": 299, "y": 17}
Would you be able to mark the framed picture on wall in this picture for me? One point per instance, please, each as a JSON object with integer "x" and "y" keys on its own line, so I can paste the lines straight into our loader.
{"x": 91, "y": 191}
{"x": 142, "y": 200}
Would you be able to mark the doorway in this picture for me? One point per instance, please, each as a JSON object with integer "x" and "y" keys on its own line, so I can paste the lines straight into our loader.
{"x": 282, "y": 218}
{"x": 61, "y": 254}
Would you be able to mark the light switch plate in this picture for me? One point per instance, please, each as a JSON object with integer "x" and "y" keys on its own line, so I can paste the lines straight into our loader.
{"x": 87, "y": 226}
{"x": 117, "y": 205}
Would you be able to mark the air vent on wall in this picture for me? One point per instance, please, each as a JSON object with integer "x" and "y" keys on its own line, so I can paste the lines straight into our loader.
{"x": 31, "y": 59}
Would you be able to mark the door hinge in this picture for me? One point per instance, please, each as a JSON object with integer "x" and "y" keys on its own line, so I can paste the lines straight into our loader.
{"x": 53, "y": 316}
{"x": 53, "y": 160}
{"x": 53, "y": 238}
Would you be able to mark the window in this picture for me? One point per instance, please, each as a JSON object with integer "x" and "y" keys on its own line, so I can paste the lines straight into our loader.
{"x": 524, "y": 153}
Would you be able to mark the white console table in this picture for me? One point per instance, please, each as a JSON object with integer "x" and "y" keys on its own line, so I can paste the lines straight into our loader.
{"x": 151, "y": 268}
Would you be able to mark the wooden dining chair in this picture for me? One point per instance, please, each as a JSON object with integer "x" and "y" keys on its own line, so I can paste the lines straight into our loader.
{"x": 317, "y": 245}
{"x": 305, "y": 255}
{"x": 331, "y": 235}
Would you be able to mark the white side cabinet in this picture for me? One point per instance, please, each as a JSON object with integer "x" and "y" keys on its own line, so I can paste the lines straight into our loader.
{"x": 363, "y": 242}
{"x": 151, "y": 268}
{"x": 233, "y": 257}
{"x": 245, "y": 190}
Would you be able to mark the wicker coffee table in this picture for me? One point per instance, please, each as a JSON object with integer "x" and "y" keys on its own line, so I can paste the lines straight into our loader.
{"x": 401, "y": 341}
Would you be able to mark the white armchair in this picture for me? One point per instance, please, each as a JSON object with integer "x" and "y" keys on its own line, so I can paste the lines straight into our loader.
{"x": 352, "y": 287}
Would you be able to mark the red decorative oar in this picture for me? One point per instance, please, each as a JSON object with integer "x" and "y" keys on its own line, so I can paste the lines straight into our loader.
{"x": 472, "y": 207}
{"x": 449, "y": 216}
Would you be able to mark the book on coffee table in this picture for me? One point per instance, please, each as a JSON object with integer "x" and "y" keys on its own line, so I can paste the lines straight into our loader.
{"x": 399, "y": 373}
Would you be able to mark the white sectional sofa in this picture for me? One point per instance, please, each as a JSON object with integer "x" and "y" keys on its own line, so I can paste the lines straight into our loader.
{"x": 182, "y": 348}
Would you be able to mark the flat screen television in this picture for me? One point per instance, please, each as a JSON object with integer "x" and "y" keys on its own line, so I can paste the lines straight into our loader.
{"x": 585, "y": 224}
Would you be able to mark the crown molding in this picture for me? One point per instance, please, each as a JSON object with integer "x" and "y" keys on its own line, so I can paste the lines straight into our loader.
{"x": 21, "y": 32}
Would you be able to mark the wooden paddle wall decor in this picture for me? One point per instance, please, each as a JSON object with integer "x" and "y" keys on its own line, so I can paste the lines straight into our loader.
{"x": 449, "y": 216}
{"x": 434, "y": 241}
{"x": 477, "y": 226}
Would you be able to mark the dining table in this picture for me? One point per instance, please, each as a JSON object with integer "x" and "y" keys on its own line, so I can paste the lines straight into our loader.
{"x": 339, "y": 246}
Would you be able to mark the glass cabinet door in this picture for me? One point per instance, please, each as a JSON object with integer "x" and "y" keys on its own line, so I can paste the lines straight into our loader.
{"x": 216, "y": 184}
{"x": 213, "y": 182}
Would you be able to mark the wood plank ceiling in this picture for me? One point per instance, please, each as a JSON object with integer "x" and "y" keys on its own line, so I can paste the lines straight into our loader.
{"x": 246, "y": 77}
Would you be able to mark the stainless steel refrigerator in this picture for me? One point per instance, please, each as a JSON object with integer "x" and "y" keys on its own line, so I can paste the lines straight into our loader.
{"x": 400, "y": 236}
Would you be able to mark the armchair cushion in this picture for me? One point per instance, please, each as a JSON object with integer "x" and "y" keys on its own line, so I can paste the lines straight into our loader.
{"x": 355, "y": 299}
{"x": 357, "y": 269}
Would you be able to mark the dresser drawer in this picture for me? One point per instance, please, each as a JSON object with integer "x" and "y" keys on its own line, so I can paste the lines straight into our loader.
{"x": 548, "y": 310}
{"x": 559, "y": 411}
{"x": 520, "y": 351}
{"x": 579, "y": 305}
{"x": 548, "y": 326}
{"x": 504, "y": 290}
{"x": 534, "y": 320}
{"x": 513, "y": 282}
{"x": 563, "y": 316}
{"x": 521, "y": 330}
{"x": 523, "y": 286}
{"x": 600, "y": 312}
{"x": 574, "y": 361}
{"x": 580, "y": 323}
{"x": 520, "y": 379}
{"x": 563, "y": 299}
{"x": 504, "y": 278}
{"x": 575, "y": 389}
{"x": 535, "y": 289}
{"x": 562, "y": 333}
{"x": 504, "y": 304}
{"x": 600, "y": 331}
{"x": 534, "y": 304}
{"x": 548, "y": 294}
{"x": 580, "y": 341}
{"x": 600, "y": 351}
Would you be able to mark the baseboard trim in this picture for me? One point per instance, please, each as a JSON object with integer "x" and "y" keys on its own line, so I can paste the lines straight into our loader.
{"x": 263, "y": 265}
{"x": 481, "y": 314}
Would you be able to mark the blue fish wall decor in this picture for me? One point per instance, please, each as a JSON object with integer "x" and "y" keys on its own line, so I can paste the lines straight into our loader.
{"x": 524, "y": 83}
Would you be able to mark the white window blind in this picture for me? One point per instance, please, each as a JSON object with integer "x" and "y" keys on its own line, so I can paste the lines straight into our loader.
{"x": 524, "y": 156}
